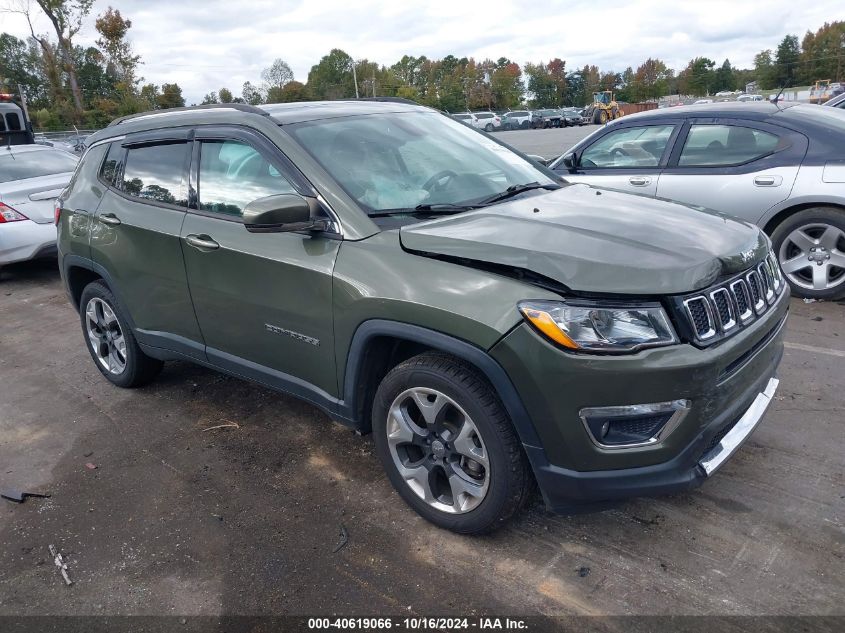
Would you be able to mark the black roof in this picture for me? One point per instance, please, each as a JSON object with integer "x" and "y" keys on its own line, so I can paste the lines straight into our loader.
{"x": 755, "y": 110}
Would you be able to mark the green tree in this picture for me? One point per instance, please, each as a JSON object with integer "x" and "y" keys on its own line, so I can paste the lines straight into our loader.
{"x": 724, "y": 78}
{"x": 823, "y": 54}
{"x": 547, "y": 83}
{"x": 786, "y": 62}
{"x": 331, "y": 78}
{"x": 225, "y": 95}
{"x": 252, "y": 94}
{"x": 291, "y": 91}
{"x": 210, "y": 98}
{"x": 651, "y": 80}
{"x": 170, "y": 97}
{"x": 116, "y": 48}
{"x": 764, "y": 70}
{"x": 698, "y": 77}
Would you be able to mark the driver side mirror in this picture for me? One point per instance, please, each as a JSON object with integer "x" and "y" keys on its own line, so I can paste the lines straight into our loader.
{"x": 570, "y": 160}
{"x": 283, "y": 213}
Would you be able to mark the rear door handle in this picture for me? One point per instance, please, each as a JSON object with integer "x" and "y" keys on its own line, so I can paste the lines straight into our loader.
{"x": 639, "y": 181}
{"x": 768, "y": 181}
{"x": 202, "y": 242}
{"x": 109, "y": 218}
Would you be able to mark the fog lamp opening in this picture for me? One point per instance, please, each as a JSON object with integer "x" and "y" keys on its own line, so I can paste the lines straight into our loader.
{"x": 631, "y": 426}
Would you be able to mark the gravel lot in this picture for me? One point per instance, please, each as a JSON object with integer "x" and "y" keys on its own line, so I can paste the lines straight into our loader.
{"x": 178, "y": 519}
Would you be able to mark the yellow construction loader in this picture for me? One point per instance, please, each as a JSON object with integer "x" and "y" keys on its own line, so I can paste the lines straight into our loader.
{"x": 603, "y": 108}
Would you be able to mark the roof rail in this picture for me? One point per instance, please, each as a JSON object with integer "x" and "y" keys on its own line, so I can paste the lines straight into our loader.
{"x": 242, "y": 107}
{"x": 390, "y": 100}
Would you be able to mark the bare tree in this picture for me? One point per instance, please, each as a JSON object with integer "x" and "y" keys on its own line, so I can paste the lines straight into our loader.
{"x": 278, "y": 74}
{"x": 66, "y": 17}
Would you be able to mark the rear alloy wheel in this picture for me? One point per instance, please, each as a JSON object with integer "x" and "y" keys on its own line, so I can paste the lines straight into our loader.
{"x": 488, "y": 127}
{"x": 111, "y": 342}
{"x": 810, "y": 246}
{"x": 448, "y": 445}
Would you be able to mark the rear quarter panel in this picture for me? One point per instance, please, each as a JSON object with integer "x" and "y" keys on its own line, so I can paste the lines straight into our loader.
{"x": 80, "y": 202}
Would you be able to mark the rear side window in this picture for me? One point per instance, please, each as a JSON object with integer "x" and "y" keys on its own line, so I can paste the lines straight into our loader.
{"x": 722, "y": 145}
{"x": 154, "y": 173}
{"x": 113, "y": 163}
{"x": 233, "y": 174}
{"x": 484, "y": 116}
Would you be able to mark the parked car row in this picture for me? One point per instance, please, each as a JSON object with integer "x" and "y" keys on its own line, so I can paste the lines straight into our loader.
{"x": 523, "y": 119}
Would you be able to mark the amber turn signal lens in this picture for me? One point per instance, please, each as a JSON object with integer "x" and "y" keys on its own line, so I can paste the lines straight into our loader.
{"x": 546, "y": 324}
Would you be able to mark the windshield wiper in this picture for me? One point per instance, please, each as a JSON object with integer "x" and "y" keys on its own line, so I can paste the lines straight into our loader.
{"x": 515, "y": 190}
{"x": 437, "y": 208}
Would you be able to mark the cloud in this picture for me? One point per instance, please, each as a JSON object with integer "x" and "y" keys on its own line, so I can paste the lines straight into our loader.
{"x": 204, "y": 45}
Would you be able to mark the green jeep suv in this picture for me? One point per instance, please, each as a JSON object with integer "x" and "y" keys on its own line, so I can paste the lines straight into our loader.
{"x": 493, "y": 326}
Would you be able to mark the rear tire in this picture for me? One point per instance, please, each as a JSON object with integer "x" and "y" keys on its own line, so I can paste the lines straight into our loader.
{"x": 488, "y": 127}
{"x": 448, "y": 446}
{"x": 110, "y": 340}
{"x": 810, "y": 247}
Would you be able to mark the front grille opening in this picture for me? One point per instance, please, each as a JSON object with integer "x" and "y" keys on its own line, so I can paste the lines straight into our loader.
{"x": 741, "y": 297}
{"x": 756, "y": 291}
{"x": 700, "y": 316}
{"x": 723, "y": 307}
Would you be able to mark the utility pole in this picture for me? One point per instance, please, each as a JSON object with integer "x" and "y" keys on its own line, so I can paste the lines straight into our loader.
{"x": 355, "y": 79}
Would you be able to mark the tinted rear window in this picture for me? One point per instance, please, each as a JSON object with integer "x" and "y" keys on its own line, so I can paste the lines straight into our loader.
{"x": 482, "y": 115}
{"x": 20, "y": 165}
{"x": 154, "y": 173}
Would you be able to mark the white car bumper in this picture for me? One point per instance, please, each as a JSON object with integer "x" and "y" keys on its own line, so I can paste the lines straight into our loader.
{"x": 23, "y": 240}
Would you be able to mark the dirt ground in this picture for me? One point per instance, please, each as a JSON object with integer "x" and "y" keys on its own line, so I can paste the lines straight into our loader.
{"x": 178, "y": 519}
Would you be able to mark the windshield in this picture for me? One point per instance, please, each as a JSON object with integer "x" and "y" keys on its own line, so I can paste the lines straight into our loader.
{"x": 20, "y": 165}
{"x": 400, "y": 161}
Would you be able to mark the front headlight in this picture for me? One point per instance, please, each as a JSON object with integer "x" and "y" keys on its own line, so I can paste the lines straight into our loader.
{"x": 597, "y": 327}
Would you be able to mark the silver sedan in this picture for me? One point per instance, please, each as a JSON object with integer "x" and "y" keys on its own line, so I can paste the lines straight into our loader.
{"x": 779, "y": 166}
{"x": 31, "y": 178}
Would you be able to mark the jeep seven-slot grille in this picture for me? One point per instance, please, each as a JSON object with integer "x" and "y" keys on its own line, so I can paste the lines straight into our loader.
{"x": 722, "y": 310}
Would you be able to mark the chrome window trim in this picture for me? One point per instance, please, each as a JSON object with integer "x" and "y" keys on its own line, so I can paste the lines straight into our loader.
{"x": 711, "y": 322}
{"x": 731, "y": 324}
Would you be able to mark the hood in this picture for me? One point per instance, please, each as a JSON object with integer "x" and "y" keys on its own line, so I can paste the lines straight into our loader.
{"x": 598, "y": 241}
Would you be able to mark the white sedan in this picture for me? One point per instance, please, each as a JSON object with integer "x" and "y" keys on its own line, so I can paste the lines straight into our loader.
{"x": 31, "y": 178}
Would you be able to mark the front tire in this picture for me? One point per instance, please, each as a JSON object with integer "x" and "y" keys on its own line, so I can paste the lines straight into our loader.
{"x": 448, "y": 446}
{"x": 110, "y": 340}
{"x": 810, "y": 247}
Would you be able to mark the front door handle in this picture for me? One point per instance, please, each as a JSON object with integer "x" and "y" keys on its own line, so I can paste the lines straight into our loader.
{"x": 768, "y": 181}
{"x": 202, "y": 242}
{"x": 109, "y": 218}
{"x": 639, "y": 181}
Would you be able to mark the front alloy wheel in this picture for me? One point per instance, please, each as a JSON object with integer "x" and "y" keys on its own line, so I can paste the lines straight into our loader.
{"x": 448, "y": 445}
{"x": 438, "y": 450}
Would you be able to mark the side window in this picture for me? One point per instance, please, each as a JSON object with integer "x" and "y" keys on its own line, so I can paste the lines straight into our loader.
{"x": 154, "y": 173}
{"x": 628, "y": 147}
{"x": 721, "y": 145}
{"x": 113, "y": 163}
{"x": 13, "y": 121}
{"x": 233, "y": 174}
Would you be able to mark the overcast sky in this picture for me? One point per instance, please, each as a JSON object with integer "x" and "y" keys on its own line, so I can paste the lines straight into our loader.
{"x": 206, "y": 44}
